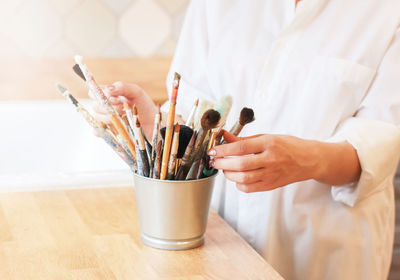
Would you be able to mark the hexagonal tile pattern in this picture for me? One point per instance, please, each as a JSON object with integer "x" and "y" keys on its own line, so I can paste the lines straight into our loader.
{"x": 34, "y": 28}
{"x": 117, "y": 48}
{"x": 90, "y": 27}
{"x": 7, "y": 12}
{"x": 173, "y": 6}
{"x": 118, "y": 6}
{"x": 167, "y": 48}
{"x": 144, "y": 26}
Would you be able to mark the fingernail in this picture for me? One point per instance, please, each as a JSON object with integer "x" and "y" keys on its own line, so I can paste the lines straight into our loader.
{"x": 212, "y": 152}
{"x": 211, "y": 162}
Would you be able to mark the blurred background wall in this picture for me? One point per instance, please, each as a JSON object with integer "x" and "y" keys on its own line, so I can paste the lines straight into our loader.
{"x": 95, "y": 28}
{"x": 44, "y": 142}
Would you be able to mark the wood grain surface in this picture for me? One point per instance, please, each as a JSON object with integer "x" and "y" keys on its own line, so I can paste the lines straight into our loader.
{"x": 33, "y": 79}
{"x": 94, "y": 234}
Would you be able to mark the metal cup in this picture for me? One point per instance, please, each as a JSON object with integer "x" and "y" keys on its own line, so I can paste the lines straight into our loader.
{"x": 173, "y": 214}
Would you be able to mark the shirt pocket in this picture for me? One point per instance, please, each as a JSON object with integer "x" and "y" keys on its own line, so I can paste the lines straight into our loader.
{"x": 325, "y": 92}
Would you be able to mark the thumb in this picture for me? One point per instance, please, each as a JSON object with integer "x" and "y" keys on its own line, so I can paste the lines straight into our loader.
{"x": 229, "y": 137}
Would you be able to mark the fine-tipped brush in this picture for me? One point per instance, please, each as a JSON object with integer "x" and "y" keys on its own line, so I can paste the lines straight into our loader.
{"x": 82, "y": 71}
{"x": 183, "y": 168}
{"x": 190, "y": 120}
{"x": 246, "y": 117}
{"x": 156, "y": 129}
{"x": 157, "y": 161}
{"x": 174, "y": 152}
{"x": 142, "y": 159}
{"x": 99, "y": 127}
{"x": 170, "y": 128}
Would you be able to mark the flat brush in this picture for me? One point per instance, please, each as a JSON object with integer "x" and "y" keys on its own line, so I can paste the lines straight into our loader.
{"x": 223, "y": 107}
{"x": 183, "y": 168}
{"x": 170, "y": 127}
{"x": 246, "y": 117}
{"x": 190, "y": 120}
{"x": 185, "y": 133}
{"x": 154, "y": 141}
{"x": 174, "y": 152}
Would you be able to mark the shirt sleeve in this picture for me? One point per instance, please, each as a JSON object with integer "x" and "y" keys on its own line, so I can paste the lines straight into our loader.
{"x": 190, "y": 60}
{"x": 374, "y": 131}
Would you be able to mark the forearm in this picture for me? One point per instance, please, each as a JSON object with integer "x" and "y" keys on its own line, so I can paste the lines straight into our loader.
{"x": 338, "y": 163}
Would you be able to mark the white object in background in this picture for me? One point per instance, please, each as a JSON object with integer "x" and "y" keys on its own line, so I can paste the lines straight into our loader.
{"x": 49, "y": 137}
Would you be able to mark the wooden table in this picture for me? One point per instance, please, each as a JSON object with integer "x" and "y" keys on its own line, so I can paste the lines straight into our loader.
{"x": 94, "y": 234}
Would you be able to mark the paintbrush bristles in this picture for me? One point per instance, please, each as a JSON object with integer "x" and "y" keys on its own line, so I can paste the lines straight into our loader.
{"x": 246, "y": 116}
{"x": 78, "y": 71}
{"x": 175, "y": 87}
{"x": 210, "y": 119}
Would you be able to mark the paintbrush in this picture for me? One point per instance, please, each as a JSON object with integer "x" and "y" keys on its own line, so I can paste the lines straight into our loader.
{"x": 157, "y": 161}
{"x": 183, "y": 168}
{"x": 113, "y": 142}
{"x": 156, "y": 129}
{"x": 204, "y": 105}
{"x": 190, "y": 120}
{"x": 223, "y": 107}
{"x": 174, "y": 152}
{"x": 99, "y": 127}
{"x": 209, "y": 121}
{"x": 246, "y": 117}
{"x": 82, "y": 71}
{"x": 170, "y": 127}
{"x": 142, "y": 159}
{"x": 129, "y": 118}
{"x": 200, "y": 174}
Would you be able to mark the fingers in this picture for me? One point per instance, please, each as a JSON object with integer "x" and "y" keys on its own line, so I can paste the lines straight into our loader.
{"x": 244, "y": 146}
{"x": 245, "y": 177}
{"x": 242, "y": 163}
{"x": 100, "y": 113}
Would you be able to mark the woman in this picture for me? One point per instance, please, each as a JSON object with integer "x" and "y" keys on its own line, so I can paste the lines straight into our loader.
{"x": 314, "y": 189}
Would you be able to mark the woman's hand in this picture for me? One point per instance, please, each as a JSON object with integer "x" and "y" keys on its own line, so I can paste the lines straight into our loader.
{"x": 265, "y": 162}
{"x": 120, "y": 92}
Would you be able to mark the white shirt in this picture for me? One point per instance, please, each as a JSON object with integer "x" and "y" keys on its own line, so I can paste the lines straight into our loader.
{"x": 330, "y": 71}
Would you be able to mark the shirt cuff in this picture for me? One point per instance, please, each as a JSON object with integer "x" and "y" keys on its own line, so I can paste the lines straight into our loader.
{"x": 378, "y": 148}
